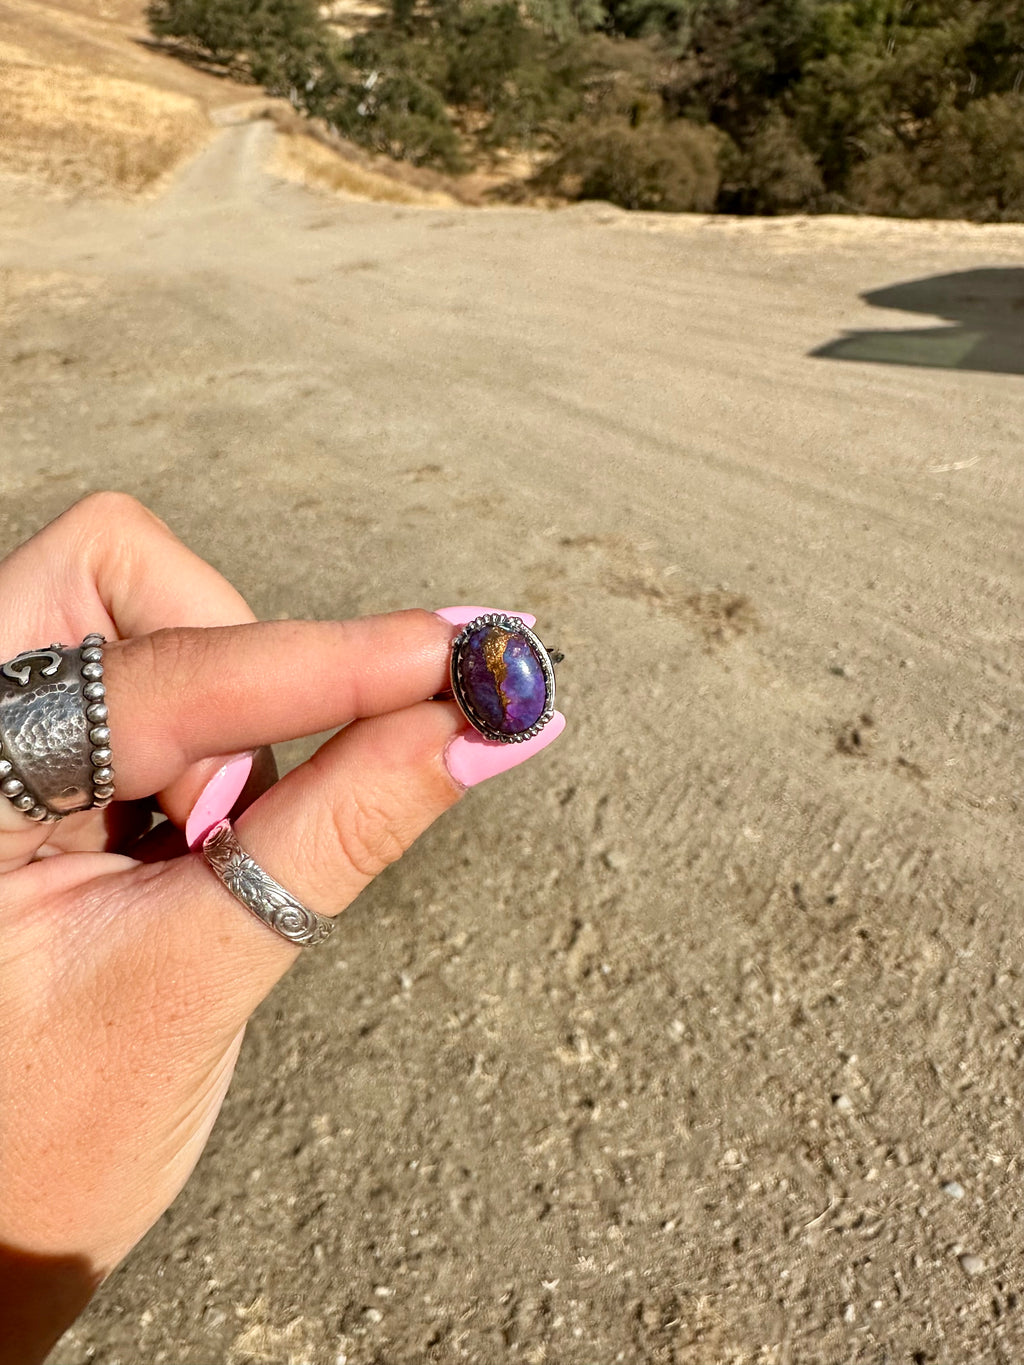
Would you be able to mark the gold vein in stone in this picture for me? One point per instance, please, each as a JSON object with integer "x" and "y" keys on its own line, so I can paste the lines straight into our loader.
{"x": 494, "y": 655}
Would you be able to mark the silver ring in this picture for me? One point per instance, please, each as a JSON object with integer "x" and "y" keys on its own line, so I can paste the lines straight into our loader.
{"x": 259, "y": 893}
{"x": 503, "y": 678}
{"x": 54, "y": 738}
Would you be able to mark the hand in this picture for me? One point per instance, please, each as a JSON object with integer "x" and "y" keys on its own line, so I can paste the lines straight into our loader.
{"x": 125, "y": 983}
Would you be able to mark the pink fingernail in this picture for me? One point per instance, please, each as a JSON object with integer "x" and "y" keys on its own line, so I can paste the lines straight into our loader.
{"x": 461, "y": 616}
{"x": 217, "y": 797}
{"x": 471, "y": 758}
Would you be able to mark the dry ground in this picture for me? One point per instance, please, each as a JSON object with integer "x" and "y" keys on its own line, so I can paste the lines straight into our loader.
{"x": 700, "y": 1040}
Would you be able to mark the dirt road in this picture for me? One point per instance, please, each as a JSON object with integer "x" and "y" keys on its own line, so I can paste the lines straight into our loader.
{"x": 701, "y": 1039}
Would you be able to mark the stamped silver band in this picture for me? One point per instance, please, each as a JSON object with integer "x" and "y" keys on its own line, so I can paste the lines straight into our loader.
{"x": 55, "y": 755}
{"x": 259, "y": 893}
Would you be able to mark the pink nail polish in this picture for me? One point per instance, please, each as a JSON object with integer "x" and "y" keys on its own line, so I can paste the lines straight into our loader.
{"x": 217, "y": 797}
{"x": 461, "y": 616}
{"x": 472, "y": 759}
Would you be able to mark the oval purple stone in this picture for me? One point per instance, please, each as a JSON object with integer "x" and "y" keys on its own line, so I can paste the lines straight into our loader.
{"x": 503, "y": 679}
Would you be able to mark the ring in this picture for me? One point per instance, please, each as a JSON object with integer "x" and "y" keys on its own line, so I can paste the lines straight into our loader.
{"x": 503, "y": 678}
{"x": 54, "y": 739}
{"x": 259, "y": 893}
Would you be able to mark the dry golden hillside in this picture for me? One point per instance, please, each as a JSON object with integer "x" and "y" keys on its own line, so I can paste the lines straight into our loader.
{"x": 87, "y": 105}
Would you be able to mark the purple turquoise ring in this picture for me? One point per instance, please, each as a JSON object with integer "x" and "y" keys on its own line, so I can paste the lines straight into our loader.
{"x": 503, "y": 678}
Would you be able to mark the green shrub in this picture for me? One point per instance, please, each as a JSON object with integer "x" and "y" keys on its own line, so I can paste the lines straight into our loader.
{"x": 401, "y": 116}
{"x": 992, "y": 130}
{"x": 485, "y": 45}
{"x": 968, "y": 163}
{"x": 774, "y": 173}
{"x": 653, "y": 165}
{"x": 564, "y": 19}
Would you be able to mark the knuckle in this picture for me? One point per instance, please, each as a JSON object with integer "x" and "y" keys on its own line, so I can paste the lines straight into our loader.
{"x": 168, "y": 653}
{"x": 111, "y": 506}
{"x": 156, "y": 668}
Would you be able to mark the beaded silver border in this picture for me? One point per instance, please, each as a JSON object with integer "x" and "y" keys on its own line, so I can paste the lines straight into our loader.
{"x": 96, "y": 713}
{"x": 90, "y": 657}
{"x": 14, "y": 789}
{"x": 514, "y": 625}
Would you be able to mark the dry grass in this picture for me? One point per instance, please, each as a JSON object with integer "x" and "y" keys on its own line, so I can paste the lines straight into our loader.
{"x": 301, "y": 158}
{"x": 86, "y": 107}
{"x": 75, "y": 130}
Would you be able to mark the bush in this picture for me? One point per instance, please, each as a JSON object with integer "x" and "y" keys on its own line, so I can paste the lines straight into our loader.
{"x": 968, "y": 163}
{"x": 992, "y": 131}
{"x": 657, "y": 165}
{"x": 774, "y": 173}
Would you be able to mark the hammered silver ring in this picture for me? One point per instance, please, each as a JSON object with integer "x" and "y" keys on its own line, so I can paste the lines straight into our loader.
{"x": 55, "y": 754}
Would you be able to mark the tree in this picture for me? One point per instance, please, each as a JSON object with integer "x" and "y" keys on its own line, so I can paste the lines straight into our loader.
{"x": 264, "y": 37}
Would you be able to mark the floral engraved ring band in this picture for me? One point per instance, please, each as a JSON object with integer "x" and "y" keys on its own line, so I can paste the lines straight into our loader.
{"x": 261, "y": 895}
{"x": 503, "y": 678}
{"x": 55, "y": 755}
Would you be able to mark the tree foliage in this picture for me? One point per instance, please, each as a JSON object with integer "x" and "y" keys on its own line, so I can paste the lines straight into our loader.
{"x": 273, "y": 41}
{"x": 902, "y": 107}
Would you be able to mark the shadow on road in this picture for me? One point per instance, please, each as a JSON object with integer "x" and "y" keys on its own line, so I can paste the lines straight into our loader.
{"x": 987, "y": 307}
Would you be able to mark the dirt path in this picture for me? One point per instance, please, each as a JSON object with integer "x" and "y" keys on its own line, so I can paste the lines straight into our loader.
{"x": 700, "y": 1042}
{"x": 226, "y": 176}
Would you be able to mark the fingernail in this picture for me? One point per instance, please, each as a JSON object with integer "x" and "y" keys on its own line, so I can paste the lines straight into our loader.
{"x": 461, "y": 616}
{"x": 471, "y": 758}
{"x": 217, "y": 797}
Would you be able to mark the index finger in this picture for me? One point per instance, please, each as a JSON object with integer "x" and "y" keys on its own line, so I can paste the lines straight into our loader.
{"x": 178, "y": 696}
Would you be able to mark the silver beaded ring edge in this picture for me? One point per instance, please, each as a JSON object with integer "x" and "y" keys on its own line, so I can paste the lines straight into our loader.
{"x": 96, "y": 716}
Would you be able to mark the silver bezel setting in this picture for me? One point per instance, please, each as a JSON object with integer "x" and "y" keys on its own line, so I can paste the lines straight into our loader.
{"x": 515, "y": 626}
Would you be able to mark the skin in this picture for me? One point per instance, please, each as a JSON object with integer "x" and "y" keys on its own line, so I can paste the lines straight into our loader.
{"x": 127, "y": 972}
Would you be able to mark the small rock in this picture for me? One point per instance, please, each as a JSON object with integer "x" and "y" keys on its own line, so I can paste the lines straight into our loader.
{"x": 971, "y": 1265}
{"x": 954, "y": 1189}
{"x": 843, "y": 1103}
{"x": 214, "y": 1316}
{"x": 849, "y": 1313}
{"x": 840, "y": 670}
{"x": 615, "y": 861}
